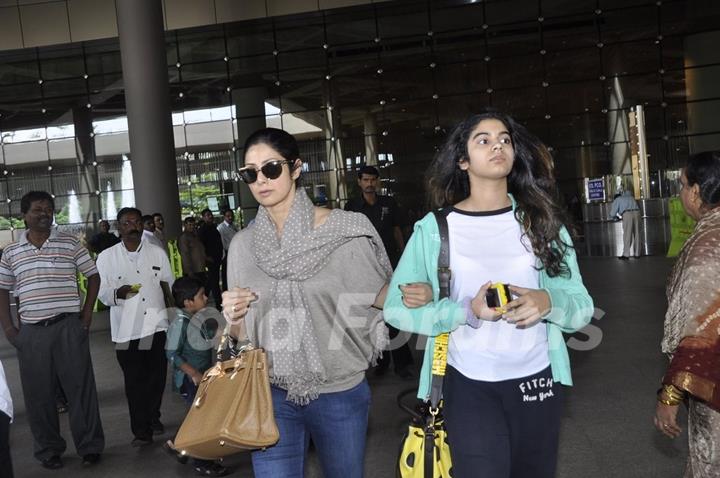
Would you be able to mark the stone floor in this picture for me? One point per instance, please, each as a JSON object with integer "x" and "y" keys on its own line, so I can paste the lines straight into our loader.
{"x": 607, "y": 430}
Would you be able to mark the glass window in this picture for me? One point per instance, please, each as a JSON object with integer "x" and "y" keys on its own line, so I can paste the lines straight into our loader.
{"x": 510, "y": 11}
{"x": 561, "y": 8}
{"x": 628, "y": 24}
{"x": 572, "y": 65}
{"x": 57, "y": 62}
{"x": 463, "y": 77}
{"x": 504, "y": 72}
{"x": 199, "y": 45}
{"x": 249, "y": 38}
{"x": 358, "y": 27}
{"x": 300, "y": 33}
{"x": 18, "y": 67}
{"x": 453, "y": 109}
{"x": 398, "y": 20}
{"x": 631, "y": 57}
{"x": 64, "y": 88}
{"x": 574, "y": 98}
{"x": 456, "y": 18}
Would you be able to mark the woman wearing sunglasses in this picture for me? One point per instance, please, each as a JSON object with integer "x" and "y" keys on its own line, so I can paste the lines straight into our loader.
{"x": 303, "y": 284}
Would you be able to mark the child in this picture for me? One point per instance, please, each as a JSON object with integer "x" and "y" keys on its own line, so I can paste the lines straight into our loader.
{"x": 190, "y": 350}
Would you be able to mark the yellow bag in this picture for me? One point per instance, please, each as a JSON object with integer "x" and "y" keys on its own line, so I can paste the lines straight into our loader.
{"x": 425, "y": 452}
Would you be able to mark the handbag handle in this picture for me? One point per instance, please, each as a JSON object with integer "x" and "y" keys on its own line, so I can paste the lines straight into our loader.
{"x": 220, "y": 369}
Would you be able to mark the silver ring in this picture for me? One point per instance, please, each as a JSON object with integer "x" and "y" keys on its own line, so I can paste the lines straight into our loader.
{"x": 233, "y": 308}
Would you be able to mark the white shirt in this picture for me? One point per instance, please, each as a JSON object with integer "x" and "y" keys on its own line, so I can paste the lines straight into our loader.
{"x": 485, "y": 247}
{"x": 6, "y": 405}
{"x": 152, "y": 239}
{"x": 227, "y": 232}
{"x": 143, "y": 314}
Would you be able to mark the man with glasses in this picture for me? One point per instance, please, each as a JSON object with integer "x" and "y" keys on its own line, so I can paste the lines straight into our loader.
{"x": 132, "y": 275}
{"x": 52, "y": 340}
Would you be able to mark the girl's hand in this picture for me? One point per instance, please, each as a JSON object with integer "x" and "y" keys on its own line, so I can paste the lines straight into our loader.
{"x": 416, "y": 294}
{"x": 479, "y": 305}
{"x": 236, "y": 303}
{"x": 528, "y": 309}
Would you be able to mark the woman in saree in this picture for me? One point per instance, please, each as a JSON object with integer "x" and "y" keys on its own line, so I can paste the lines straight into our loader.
{"x": 692, "y": 323}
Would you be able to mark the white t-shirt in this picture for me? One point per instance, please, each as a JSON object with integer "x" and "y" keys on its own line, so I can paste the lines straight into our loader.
{"x": 489, "y": 246}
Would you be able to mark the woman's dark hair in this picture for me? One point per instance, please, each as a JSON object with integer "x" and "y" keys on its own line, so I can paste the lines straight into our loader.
{"x": 279, "y": 140}
{"x": 33, "y": 196}
{"x": 185, "y": 288}
{"x": 530, "y": 181}
{"x": 703, "y": 169}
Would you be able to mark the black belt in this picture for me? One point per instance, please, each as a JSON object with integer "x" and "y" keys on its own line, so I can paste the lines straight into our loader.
{"x": 51, "y": 320}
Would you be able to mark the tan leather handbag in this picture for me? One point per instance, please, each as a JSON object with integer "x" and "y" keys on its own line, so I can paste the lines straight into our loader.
{"x": 232, "y": 410}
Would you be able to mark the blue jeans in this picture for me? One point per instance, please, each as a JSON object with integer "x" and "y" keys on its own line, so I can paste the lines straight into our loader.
{"x": 337, "y": 424}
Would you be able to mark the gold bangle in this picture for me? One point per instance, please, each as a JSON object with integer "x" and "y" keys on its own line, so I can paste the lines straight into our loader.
{"x": 673, "y": 392}
{"x": 670, "y": 402}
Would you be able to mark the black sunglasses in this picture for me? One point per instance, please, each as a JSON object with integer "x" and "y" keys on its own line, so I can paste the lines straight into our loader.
{"x": 271, "y": 170}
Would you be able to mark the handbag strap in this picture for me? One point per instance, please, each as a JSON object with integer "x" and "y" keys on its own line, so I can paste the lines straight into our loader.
{"x": 439, "y": 361}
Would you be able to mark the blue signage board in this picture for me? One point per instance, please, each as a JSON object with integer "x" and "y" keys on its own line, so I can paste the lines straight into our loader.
{"x": 596, "y": 189}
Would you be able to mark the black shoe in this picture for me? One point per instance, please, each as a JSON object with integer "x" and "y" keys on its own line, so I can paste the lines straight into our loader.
{"x": 157, "y": 427}
{"x": 623, "y": 258}
{"x": 170, "y": 449}
{"x": 52, "y": 463}
{"x": 211, "y": 469}
{"x": 91, "y": 459}
{"x": 141, "y": 441}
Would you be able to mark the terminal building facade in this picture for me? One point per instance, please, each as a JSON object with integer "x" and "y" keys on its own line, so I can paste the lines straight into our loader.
{"x": 95, "y": 111}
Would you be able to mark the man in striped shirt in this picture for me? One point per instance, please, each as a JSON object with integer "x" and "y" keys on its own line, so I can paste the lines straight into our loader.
{"x": 52, "y": 340}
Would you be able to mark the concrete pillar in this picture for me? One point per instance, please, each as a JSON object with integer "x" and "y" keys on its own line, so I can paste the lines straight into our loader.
{"x": 702, "y": 83}
{"x": 147, "y": 98}
{"x": 337, "y": 186}
{"x": 250, "y": 117}
{"x": 371, "y": 139}
{"x": 618, "y": 130}
{"x": 85, "y": 154}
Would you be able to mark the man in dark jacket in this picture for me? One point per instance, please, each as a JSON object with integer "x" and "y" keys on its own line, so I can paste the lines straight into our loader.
{"x": 210, "y": 237}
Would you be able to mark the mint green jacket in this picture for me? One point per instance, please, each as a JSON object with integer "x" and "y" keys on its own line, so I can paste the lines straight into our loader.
{"x": 571, "y": 305}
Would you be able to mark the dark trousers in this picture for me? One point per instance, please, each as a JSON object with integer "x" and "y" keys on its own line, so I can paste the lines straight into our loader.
{"x": 506, "y": 429}
{"x": 144, "y": 368}
{"x": 401, "y": 356}
{"x": 212, "y": 286}
{"x": 59, "y": 353}
{"x": 6, "y": 469}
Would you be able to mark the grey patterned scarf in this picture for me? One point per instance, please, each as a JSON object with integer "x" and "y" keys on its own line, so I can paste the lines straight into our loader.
{"x": 298, "y": 255}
